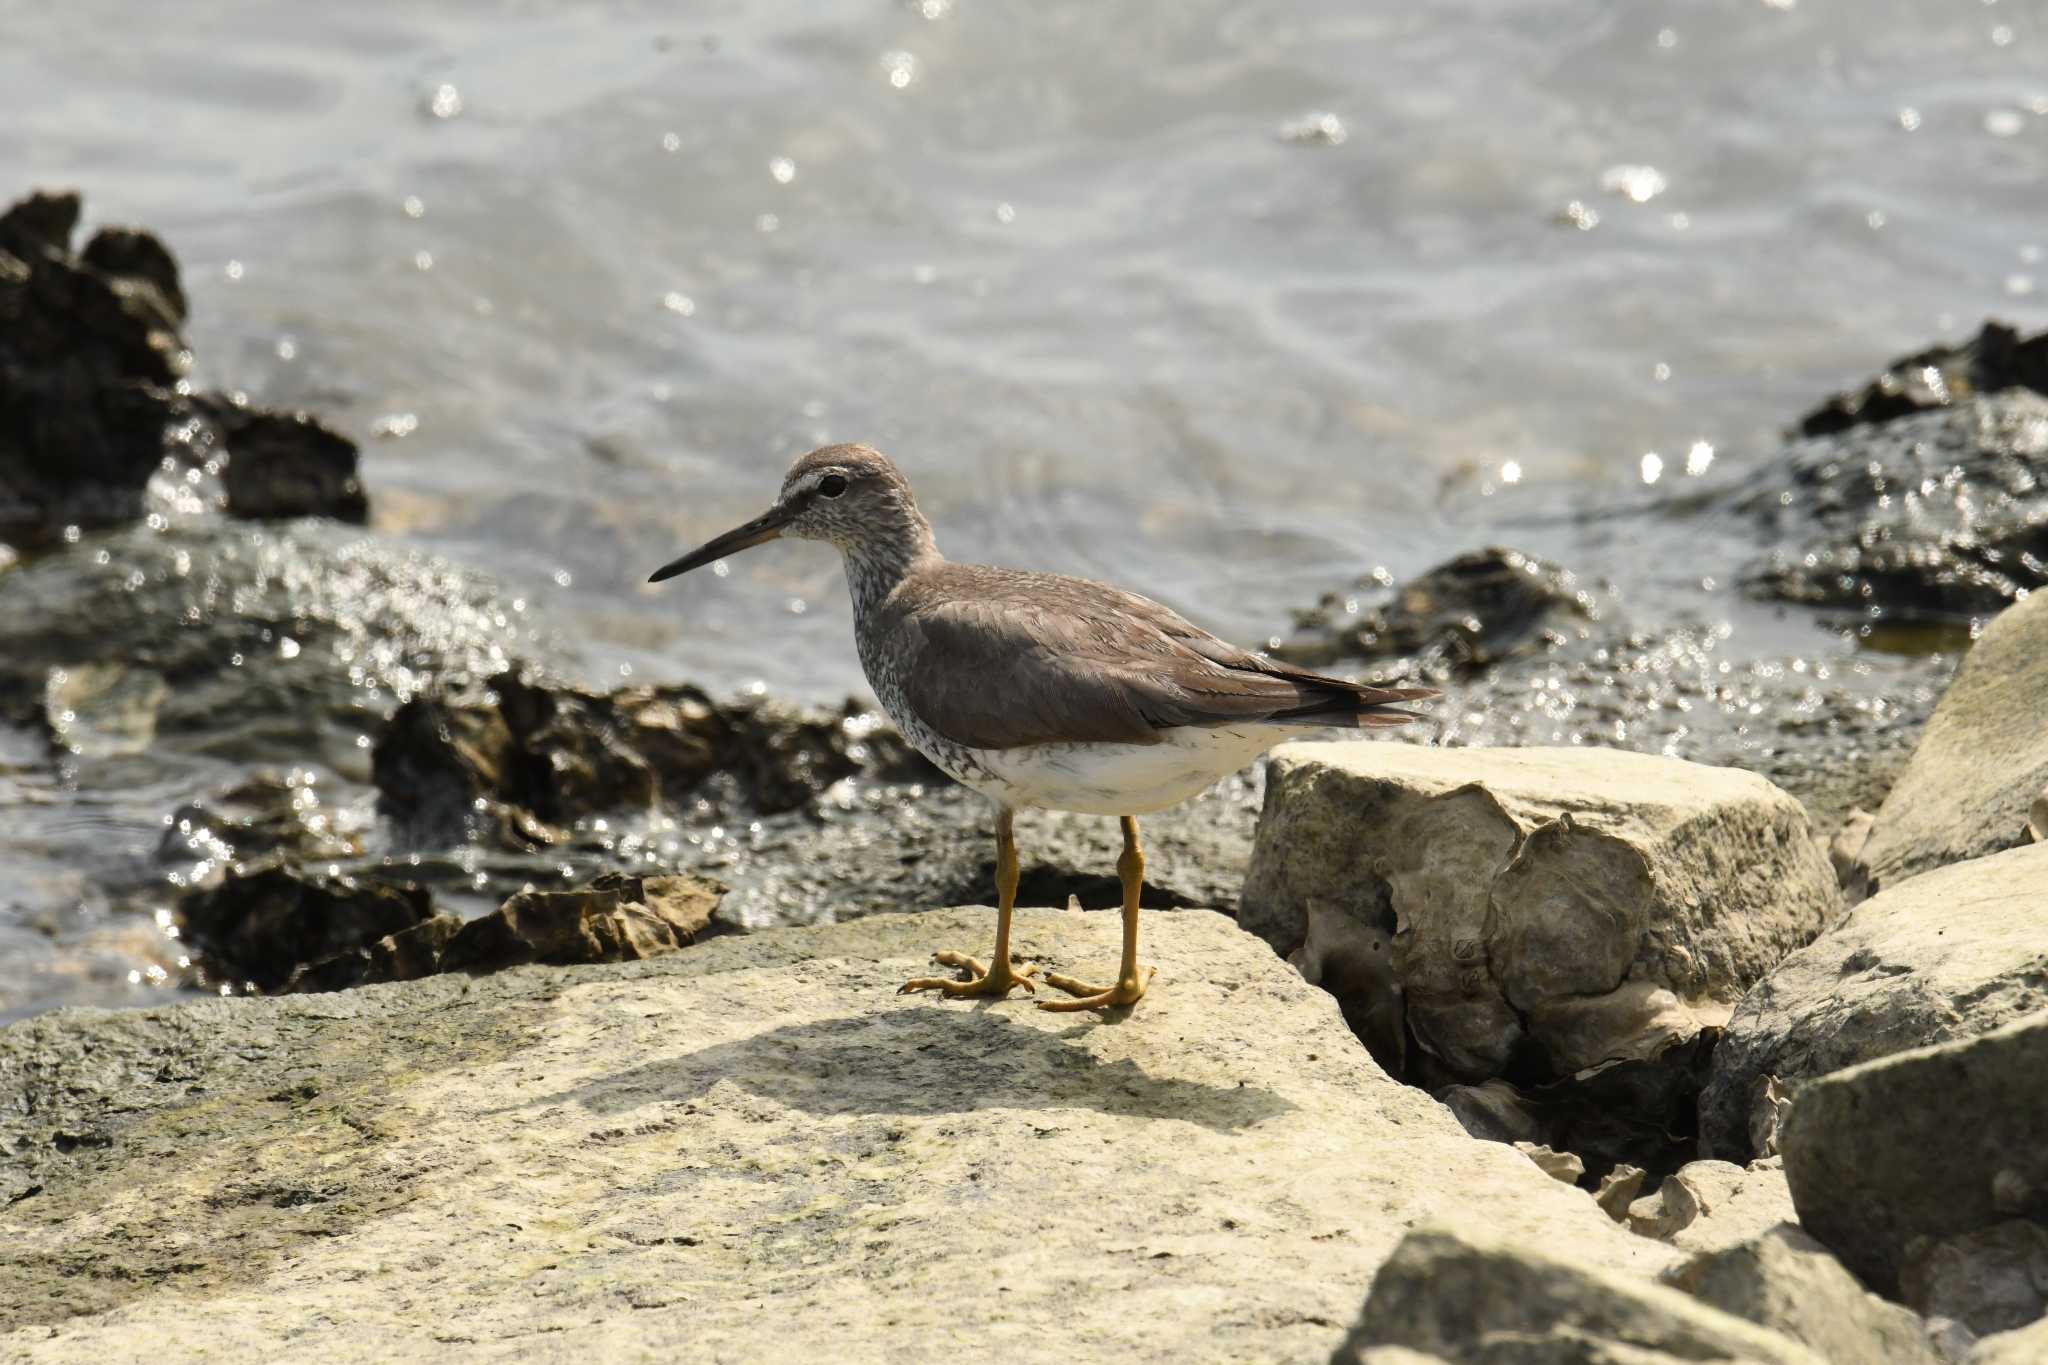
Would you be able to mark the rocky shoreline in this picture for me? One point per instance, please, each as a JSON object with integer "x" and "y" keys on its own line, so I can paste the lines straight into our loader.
{"x": 1727, "y": 946}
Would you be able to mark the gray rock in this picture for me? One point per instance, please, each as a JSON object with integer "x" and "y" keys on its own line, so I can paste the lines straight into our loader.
{"x": 752, "y": 1149}
{"x": 1981, "y": 761}
{"x": 1991, "y": 1279}
{"x": 1894, "y": 1161}
{"x": 1595, "y": 903}
{"x": 1484, "y": 1298}
{"x": 1785, "y": 1280}
{"x": 1949, "y": 954}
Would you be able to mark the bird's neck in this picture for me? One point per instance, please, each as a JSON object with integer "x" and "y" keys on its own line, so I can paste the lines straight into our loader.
{"x": 880, "y": 560}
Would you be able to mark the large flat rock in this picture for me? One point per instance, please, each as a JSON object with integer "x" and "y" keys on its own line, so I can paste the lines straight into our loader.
{"x": 1949, "y": 954}
{"x": 1981, "y": 762}
{"x": 751, "y": 1150}
{"x": 1594, "y": 903}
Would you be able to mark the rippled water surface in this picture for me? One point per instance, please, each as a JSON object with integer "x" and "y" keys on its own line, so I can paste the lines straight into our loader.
{"x": 1230, "y": 303}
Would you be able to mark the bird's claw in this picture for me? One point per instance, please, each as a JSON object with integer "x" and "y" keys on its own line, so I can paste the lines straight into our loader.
{"x": 978, "y": 981}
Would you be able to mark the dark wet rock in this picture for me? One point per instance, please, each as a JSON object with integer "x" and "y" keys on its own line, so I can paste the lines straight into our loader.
{"x": 284, "y": 464}
{"x": 1946, "y": 955}
{"x": 1785, "y": 1280}
{"x": 263, "y": 924}
{"x": 1933, "y": 517}
{"x": 406, "y": 955}
{"x": 270, "y": 641}
{"x": 1912, "y": 1168}
{"x": 1466, "y": 1296}
{"x": 1474, "y": 610}
{"x": 266, "y": 815}
{"x": 522, "y": 756}
{"x": 1997, "y": 358}
{"x": 1979, "y": 765}
{"x": 89, "y": 357}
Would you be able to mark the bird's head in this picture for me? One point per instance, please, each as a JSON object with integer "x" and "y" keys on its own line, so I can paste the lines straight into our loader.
{"x": 847, "y": 495}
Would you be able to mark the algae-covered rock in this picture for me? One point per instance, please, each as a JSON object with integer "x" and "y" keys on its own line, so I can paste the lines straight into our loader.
{"x": 632, "y": 1160}
{"x": 1946, "y": 955}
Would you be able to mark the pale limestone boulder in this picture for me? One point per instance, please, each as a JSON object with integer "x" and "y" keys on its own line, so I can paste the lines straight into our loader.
{"x": 1980, "y": 763}
{"x": 752, "y": 1149}
{"x": 1785, "y": 1280}
{"x": 1948, "y": 954}
{"x": 2026, "y": 1346}
{"x": 1927, "y": 1173}
{"x": 1711, "y": 1205}
{"x": 1597, "y": 903}
{"x": 1465, "y": 1296}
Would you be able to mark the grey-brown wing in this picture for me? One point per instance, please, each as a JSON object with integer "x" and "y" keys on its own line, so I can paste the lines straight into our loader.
{"x": 997, "y": 663}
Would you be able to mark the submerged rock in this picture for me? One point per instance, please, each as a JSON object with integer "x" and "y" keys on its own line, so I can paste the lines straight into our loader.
{"x": 1589, "y": 906}
{"x": 89, "y": 357}
{"x": 1933, "y": 517}
{"x": 263, "y": 924}
{"x": 1980, "y": 763}
{"x": 1946, "y": 955}
{"x": 1474, "y": 610}
{"x": 1997, "y": 358}
{"x": 1916, "y": 1168}
{"x": 1785, "y": 1280}
{"x": 757, "y": 1119}
{"x": 267, "y": 815}
{"x": 1483, "y": 1297}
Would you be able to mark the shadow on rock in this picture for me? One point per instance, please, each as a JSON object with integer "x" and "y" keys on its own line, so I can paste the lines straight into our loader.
{"x": 917, "y": 1062}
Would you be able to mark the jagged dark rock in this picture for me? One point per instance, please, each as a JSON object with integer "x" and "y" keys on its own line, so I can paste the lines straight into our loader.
{"x": 89, "y": 357}
{"x": 522, "y": 757}
{"x": 261, "y": 925}
{"x": 1474, "y": 610}
{"x": 284, "y": 464}
{"x": 616, "y": 918}
{"x": 1998, "y": 357}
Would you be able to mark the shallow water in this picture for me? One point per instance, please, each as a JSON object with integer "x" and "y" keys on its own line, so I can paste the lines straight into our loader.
{"x": 1103, "y": 278}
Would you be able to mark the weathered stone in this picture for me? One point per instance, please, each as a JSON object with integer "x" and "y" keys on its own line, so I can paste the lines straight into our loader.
{"x": 1990, "y": 1279}
{"x": 1997, "y": 358}
{"x": 1945, "y": 955}
{"x": 1564, "y": 1166}
{"x": 406, "y": 955}
{"x": 1928, "y": 518}
{"x": 617, "y": 918}
{"x": 1708, "y": 1205}
{"x": 1981, "y": 761}
{"x": 1485, "y": 1298}
{"x": 261, "y": 925}
{"x": 1890, "y": 1159}
{"x": 1474, "y": 610}
{"x": 1618, "y": 1191}
{"x": 625, "y": 1161}
{"x": 1785, "y": 1280}
{"x": 1353, "y": 959}
{"x": 1591, "y": 904}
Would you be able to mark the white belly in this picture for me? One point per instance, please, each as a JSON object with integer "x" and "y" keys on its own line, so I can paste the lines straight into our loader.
{"x": 1116, "y": 779}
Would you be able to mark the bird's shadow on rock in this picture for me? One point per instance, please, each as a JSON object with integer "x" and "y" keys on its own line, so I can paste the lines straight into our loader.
{"x": 916, "y": 1063}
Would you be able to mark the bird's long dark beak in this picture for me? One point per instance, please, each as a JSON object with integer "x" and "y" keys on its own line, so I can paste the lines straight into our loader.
{"x": 767, "y": 526}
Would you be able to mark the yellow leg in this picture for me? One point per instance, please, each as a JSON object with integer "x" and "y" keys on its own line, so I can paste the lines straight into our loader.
{"x": 997, "y": 978}
{"x": 1131, "y": 979}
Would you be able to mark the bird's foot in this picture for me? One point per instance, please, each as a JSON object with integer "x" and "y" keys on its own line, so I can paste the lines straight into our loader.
{"x": 1123, "y": 994}
{"x": 980, "y": 979}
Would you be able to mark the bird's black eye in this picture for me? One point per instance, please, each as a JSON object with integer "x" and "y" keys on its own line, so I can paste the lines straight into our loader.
{"x": 832, "y": 485}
